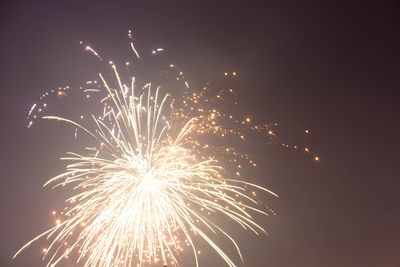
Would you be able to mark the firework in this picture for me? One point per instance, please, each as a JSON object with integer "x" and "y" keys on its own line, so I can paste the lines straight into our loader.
{"x": 160, "y": 175}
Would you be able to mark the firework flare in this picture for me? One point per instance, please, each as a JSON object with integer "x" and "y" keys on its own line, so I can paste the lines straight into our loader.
{"x": 161, "y": 172}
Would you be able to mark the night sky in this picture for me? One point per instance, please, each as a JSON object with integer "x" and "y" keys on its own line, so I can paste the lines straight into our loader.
{"x": 328, "y": 66}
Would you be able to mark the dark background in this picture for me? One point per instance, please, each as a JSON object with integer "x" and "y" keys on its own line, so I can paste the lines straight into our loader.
{"x": 330, "y": 66}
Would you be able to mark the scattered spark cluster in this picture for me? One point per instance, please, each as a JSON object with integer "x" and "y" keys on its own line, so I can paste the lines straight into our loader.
{"x": 164, "y": 168}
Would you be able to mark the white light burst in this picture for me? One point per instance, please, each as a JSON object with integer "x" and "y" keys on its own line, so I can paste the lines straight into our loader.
{"x": 154, "y": 185}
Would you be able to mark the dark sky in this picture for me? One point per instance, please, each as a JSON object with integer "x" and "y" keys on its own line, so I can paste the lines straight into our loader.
{"x": 329, "y": 66}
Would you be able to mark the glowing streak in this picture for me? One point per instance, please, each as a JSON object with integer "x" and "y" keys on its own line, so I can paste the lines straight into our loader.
{"x": 88, "y": 48}
{"x": 32, "y": 108}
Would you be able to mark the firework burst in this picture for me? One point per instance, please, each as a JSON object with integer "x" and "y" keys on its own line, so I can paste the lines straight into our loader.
{"x": 157, "y": 179}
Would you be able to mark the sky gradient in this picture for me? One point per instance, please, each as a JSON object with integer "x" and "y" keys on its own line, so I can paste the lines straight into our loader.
{"x": 330, "y": 67}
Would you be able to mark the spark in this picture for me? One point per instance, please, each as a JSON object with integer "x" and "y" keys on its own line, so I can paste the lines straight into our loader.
{"x": 90, "y": 49}
{"x": 32, "y": 108}
{"x": 132, "y": 45}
